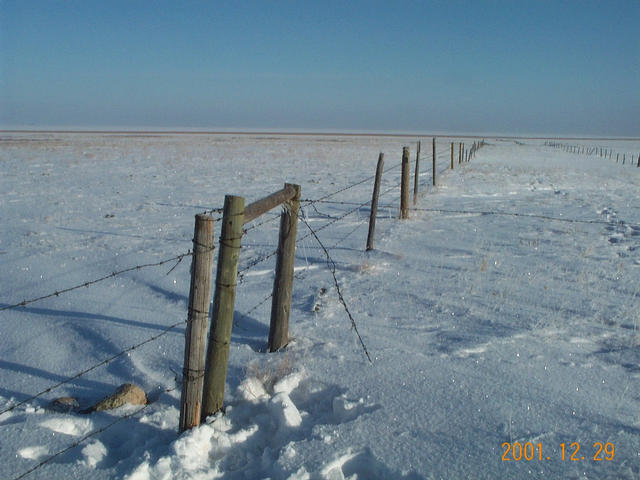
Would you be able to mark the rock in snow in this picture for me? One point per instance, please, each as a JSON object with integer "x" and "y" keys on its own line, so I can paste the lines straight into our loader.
{"x": 125, "y": 393}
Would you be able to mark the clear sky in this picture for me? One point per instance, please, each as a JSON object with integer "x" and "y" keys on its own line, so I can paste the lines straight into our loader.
{"x": 546, "y": 67}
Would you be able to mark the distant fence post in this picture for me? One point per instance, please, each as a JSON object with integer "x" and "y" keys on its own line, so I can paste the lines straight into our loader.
{"x": 283, "y": 282}
{"x": 223, "y": 305}
{"x": 638, "y": 165}
{"x": 434, "y": 161}
{"x": 374, "y": 202}
{"x": 451, "y": 155}
{"x": 459, "y": 153}
{"x": 197, "y": 323}
{"x": 404, "y": 185}
{"x": 416, "y": 176}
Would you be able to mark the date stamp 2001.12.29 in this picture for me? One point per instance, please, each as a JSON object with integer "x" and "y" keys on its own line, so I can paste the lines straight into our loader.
{"x": 574, "y": 452}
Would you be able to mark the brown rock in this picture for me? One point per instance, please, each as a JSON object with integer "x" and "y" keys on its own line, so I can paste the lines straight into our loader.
{"x": 126, "y": 393}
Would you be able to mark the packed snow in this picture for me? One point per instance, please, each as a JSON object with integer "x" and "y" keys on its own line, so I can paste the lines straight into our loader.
{"x": 503, "y": 312}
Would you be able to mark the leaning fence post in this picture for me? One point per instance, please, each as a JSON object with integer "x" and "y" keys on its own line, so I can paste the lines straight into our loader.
{"x": 404, "y": 184}
{"x": 283, "y": 282}
{"x": 416, "y": 176}
{"x": 197, "y": 323}
{"x": 223, "y": 305}
{"x": 374, "y": 202}
{"x": 451, "y": 155}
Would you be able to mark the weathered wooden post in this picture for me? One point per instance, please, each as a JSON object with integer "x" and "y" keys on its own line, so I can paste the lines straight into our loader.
{"x": 374, "y": 202}
{"x": 416, "y": 176}
{"x": 223, "y": 305}
{"x": 434, "y": 160}
{"x": 638, "y": 164}
{"x": 459, "y": 153}
{"x": 624, "y": 158}
{"x": 197, "y": 323}
{"x": 404, "y": 185}
{"x": 451, "y": 155}
{"x": 283, "y": 282}
{"x": 617, "y": 157}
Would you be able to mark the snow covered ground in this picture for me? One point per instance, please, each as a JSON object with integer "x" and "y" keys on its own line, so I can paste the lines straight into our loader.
{"x": 504, "y": 310}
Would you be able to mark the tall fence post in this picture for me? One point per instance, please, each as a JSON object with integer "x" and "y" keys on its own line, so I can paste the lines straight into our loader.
{"x": 416, "y": 176}
{"x": 197, "y": 323}
{"x": 434, "y": 160}
{"x": 283, "y": 282}
{"x": 223, "y": 305}
{"x": 451, "y": 155}
{"x": 374, "y": 202}
{"x": 404, "y": 185}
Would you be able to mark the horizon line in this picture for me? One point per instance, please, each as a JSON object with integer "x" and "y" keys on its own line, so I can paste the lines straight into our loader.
{"x": 150, "y": 132}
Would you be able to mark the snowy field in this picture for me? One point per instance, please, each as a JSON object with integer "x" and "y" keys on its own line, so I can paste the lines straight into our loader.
{"x": 505, "y": 310}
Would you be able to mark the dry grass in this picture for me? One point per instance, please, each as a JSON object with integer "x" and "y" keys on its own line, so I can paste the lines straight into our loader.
{"x": 270, "y": 372}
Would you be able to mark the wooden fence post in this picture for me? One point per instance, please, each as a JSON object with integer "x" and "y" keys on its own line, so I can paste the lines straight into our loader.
{"x": 459, "y": 153}
{"x": 197, "y": 323}
{"x": 404, "y": 185}
{"x": 374, "y": 202}
{"x": 434, "y": 161}
{"x": 416, "y": 176}
{"x": 283, "y": 282}
{"x": 638, "y": 165}
{"x": 451, "y": 155}
{"x": 223, "y": 305}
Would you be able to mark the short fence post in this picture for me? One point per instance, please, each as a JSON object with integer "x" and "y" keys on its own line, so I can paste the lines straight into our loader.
{"x": 404, "y": 185}
{"x": 197, "y": 323}
{"x": 459, "y": 153}
{"x": 374, "y": 202}
{"x": 416, "y": 176}
{"x": 434, "y": 161}
{"x": 223, "y": 305}
{"x": 451, "y": 155}
{"x": 624, "y": 158}
{"x": 283, "y": 282}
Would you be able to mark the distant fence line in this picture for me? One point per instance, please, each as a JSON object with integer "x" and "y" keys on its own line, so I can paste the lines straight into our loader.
{"x": 603, "y": 152}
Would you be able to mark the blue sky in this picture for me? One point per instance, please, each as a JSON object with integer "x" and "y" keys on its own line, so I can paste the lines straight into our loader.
{"x": 520, "y": 67}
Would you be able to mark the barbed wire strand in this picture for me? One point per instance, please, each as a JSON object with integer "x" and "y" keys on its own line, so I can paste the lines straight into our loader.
{"x": 57, "y": 293}
{"x": 93, "y": 367}
{"x": 86, "y": 437}
{"x": 332, "y": 268}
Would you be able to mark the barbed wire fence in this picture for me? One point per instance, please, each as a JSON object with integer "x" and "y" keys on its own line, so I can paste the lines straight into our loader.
{"x": 624, "y": 157}
{"x": 331, "y": 264}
